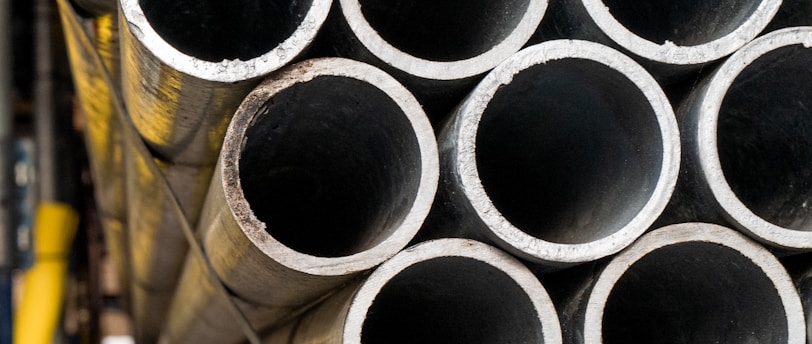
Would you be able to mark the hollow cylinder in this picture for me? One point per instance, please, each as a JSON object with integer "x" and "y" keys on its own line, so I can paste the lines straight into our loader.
{"x": 437, "y": 49}
{"x": 440, "y": 291}
{"x": 536, "y": 158}
{"x": 747, "y": 143}
{"x": 673, "y": 33}
{"x": 687, "y": 283}
{"x": 328, "y": 168}
{"x": 187, "y": 64}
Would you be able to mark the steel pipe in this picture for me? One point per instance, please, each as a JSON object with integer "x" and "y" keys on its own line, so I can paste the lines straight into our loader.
{"x": 187, "y": 64}
{"x": 692, "y": 282}
{"x": 747, "y": 143}
{"x": 535, "y": 157}
{"x": 437, "y": 49}
{"x": 679, "y": 33}
{"x": 441, "y": 291}
{"x": 328, "y": 168}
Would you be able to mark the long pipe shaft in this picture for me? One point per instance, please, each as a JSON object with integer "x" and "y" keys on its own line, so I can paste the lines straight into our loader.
{"x": 328, "y": 168}
{"x": 747, "y": 145}
{"x": 691, "y": 282}
{"x": 534, "y": 159}
{"x": 437, "y": 49}
{"x": 673, "y": 37}
{"x": 440, "y": 291}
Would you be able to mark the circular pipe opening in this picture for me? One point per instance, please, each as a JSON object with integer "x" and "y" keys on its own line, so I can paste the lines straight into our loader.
{"x": 331, "y": 166}
{"x": 764, "y": 137}
{"x": 684, "y": 23}
{"x": 569, "y": 151}
{"x": 694, "y": 292}
{"x": 225, "y": 30}
{"x": 444, "y": 30}
{"x": 452, "y": 300}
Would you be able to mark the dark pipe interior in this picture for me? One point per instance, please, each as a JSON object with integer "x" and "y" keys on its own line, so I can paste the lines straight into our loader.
{"x": 443, "y": 30}
{"x": 569, "y": 151}
{"x": 451, "y": 300}
{"x": 682, "y": 22}
{"x": 331, "y": 166}
{"x": 765, "y": 137}
{"x": 694, "y": 293}
{"x": 218, "y": 30}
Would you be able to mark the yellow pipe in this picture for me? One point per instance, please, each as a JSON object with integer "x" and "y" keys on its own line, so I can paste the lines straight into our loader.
{"x": 40, "y": 309}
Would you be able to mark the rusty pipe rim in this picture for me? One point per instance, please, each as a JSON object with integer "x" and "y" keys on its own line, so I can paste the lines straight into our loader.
{"x": 747, "y": 217}
{"x": 363, "y": 255}
{"x": 192, "y": 57}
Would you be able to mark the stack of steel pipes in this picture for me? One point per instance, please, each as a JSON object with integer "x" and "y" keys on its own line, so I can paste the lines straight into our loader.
{"x": 347, "y": 171}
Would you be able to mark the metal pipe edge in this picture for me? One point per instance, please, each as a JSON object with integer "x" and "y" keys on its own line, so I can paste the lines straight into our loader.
{"x": 745, "y": 144}
{"x": 286, "y": 162}
{"x": 438, "y": 61}
{"x": 436, "y": 291}
{"x": 698, "y": 282}
{"x": 181, "y": 93}
{"x": 502, "y": 183}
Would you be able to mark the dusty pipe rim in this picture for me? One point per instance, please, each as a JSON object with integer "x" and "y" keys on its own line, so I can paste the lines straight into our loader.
{"x": 227, "y": 70}
{"x": 693, "y": 233}
{"x": 436, "y": 70}
{"x": 517, "y": 240}
{"x": 255, "y": 229}
{"x": 445, "y": 249}
{"x": 707, "y": 139}
{"x": 671, "y": 53}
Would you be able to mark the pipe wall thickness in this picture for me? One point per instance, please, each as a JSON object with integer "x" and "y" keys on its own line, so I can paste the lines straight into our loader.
{"x": 533, "y": 160}
{"x": 440, "y": 291}
{"x": 437, "y": 49}
{"x": 691, "y": 282}
{"x": 747, "y": 144}
{"x": 187, "y": 65}
{"x": 673, "y": 37}
{"x": 328, "y": 168}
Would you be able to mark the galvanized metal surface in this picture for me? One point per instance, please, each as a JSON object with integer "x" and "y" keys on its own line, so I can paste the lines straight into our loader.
{"x": 747, "y": 145}
{"x": 693, "y": 282}
{"x": 328, "y": 169}
{"x": 564, "y": 154}
{"x": 186, "y": 71}
{"x": 440, "y": 291}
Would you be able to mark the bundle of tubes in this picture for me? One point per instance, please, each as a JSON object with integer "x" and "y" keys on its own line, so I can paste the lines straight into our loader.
{"x": 348, "y": 171}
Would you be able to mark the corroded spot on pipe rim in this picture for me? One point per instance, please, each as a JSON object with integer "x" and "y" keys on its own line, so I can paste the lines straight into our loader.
{"x": 660, "y": 138}
{"x": 388, "y": 240}
{"x": 429, "y": 68}
{"x": 470, "y": 256}
{"x": 225, "y": 70}
{"x": 695, "y": 239}
{"x": 708, "y": 131}
{"x": 749, "y": 20}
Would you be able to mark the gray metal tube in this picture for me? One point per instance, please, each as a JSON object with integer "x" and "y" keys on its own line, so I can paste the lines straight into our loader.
{"x": 692, "y": 282}
{"x": 564, "y": 154}
{"x": 328, "y": 168}
{"x": 437, "y": 49}
{"x": 440, "y": 291}
{"x": 747, "y": 143}
{"x": 675, "y": 33}
{"x": 187, "y": 65}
